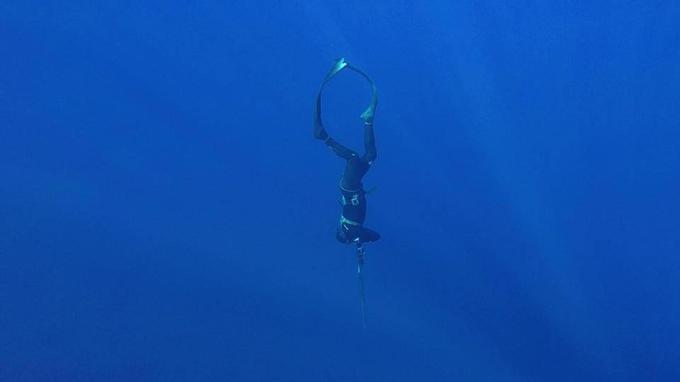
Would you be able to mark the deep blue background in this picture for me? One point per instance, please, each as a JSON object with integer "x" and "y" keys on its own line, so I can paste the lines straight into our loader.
{"x": 166, "y": 215}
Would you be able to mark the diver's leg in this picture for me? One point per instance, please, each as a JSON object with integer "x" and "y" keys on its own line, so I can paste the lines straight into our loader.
{"x": 369, "y": 143}
{"x": 340, "y": 150}
{"x": 342, "y": 234}
{"x": 368, "y": 235}
{"x": 351, "y": 233}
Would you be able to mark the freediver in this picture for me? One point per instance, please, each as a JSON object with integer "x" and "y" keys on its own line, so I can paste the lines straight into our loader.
{"x": 352, "y": 194}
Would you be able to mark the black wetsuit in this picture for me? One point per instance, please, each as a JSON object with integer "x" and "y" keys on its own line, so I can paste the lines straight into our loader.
{"x": 352, "y": 194}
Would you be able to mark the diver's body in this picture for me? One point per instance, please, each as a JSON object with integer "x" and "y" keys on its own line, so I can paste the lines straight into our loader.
{"x": 352, "y": 193}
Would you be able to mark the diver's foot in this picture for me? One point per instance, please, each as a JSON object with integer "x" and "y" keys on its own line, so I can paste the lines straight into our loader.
{"x": 320, "y": 133}
{"x": 367, "y": 115}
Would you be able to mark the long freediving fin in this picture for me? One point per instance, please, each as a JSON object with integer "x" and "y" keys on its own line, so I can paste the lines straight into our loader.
{"x": 337, "y": 68}
{"x": 368, "y": 114}
{"x": 341, "y": 64}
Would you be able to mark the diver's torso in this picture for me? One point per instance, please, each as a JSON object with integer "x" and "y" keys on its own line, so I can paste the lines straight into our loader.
{"x": 353, "y": 204}
{"x": 352, "y": 195}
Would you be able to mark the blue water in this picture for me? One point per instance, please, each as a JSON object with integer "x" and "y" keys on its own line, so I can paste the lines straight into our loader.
{"x": 165, "y": 214}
